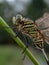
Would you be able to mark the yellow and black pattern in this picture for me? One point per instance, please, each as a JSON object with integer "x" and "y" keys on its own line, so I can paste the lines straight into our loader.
{"x": 30, "y": 28}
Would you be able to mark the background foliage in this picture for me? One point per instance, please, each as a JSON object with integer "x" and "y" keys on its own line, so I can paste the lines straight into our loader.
{"x": 34, "y": 10}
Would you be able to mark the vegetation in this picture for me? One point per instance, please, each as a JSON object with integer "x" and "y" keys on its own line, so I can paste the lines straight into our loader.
{"x": 18, "y": 41}
{"x": 10, "y": 55}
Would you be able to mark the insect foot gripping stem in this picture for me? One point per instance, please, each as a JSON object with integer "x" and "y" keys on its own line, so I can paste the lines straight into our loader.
{"x": 25, "y": 47}
{"x": 24, "y": 52}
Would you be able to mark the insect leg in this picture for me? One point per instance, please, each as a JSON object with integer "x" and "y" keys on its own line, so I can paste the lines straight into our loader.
{"x": 26, "y": 43}
{"x": 25, "y": 47}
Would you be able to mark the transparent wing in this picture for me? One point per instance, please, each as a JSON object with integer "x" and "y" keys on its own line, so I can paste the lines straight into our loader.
{"x": 43, "y": 25}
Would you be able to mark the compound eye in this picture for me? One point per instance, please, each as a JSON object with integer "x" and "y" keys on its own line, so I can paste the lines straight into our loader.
{"x": 18, "y": 16}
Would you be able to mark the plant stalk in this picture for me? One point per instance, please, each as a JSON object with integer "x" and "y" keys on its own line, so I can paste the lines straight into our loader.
{"x": 18, "y": 41}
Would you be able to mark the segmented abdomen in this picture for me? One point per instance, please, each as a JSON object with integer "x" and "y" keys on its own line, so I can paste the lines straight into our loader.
{"x": 32, "y": 30}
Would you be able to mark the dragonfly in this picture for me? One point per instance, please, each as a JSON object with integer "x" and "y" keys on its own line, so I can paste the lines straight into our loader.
{"x": 34, "y": 30}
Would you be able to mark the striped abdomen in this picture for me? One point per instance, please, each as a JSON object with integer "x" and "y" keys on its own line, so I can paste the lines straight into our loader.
{"x": 31, "y": 29}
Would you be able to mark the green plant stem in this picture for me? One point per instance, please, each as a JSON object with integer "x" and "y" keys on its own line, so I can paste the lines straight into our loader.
{"x": 18, "y": 41}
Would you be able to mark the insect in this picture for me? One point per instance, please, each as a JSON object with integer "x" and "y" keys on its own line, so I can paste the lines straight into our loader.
{"x": 30, "y": 28}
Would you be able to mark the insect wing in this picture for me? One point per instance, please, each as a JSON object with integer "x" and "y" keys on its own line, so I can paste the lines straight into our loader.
{"x": 43, "y": 25}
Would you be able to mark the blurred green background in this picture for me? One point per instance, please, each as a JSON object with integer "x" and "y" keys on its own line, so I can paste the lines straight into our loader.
{"x": 10, "y": 53}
